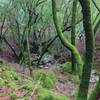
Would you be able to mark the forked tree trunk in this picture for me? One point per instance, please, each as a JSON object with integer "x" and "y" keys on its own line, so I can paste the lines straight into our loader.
{"x": 83, "y": 88}
{"x": 64, "y": 41}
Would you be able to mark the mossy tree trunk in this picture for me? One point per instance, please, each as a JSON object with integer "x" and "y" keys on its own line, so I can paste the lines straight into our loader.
{"x": 83, "y": 88}
{"x": 73, "y": 24}
{"x": 64, "y": 41}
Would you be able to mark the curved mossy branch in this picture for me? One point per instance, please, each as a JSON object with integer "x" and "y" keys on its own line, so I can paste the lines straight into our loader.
{"x": 73, "y": 31}
{"x": 64, "y": 41}
{"x": 95, "y": 95}
{"x": 87, "y": 67}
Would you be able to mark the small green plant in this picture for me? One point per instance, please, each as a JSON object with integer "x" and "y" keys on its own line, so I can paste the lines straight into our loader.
{"x": 49, "y": 97}
{"x": 12, "y": 84}
{"x": 10, "y": 75}
{"x": 66, "y": 67}
{"x": 12, "y": 96}
{"x": 27, "y": 85}
{"x": 47, "y": 78}
{"x": 74, "y": 78}
{"x": 44, "y": 94}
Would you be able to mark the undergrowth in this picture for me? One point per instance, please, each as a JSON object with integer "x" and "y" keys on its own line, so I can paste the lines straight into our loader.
{"x": 13, "y": 84}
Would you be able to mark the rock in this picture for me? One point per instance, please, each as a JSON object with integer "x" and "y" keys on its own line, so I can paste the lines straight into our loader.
{"x": 18, "y": 67}
{"x": 94, "y": 72}
{"x": 48, "y": 59}
{"x": 94, "y": 77}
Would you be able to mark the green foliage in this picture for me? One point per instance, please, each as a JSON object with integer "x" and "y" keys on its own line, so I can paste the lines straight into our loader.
{"x": 27, "y": 85}
{"x": 66, "y": 67}
{"x": 47, "y": 78}
{"x": 12, "y": 84}
{"x": 10, "y": 75}
{"x": 12, "y": 96}
{"x": 74, "y": 78}
{"x": 44, "y": 94}
{"x": 49, "y": 97}
{"x": 2, "y": 82}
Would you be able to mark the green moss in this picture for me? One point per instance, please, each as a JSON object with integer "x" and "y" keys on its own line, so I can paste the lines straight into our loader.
{"x": 47, "y": 78}
{"x": 44, "y": 94}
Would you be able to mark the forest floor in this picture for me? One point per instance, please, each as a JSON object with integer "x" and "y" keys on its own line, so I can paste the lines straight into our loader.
{"x": 65, "y": 84}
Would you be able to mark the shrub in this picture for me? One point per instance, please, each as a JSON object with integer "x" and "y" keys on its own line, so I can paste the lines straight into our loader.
{"x": 66, "y": 67}
{"x": 27, "y": 85}
{"x": 44, "y": 94}
{"x": 10, "y": 75}
{"x": 47, "y": 78}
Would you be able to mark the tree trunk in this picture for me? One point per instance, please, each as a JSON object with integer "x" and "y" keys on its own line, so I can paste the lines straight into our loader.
{"x": 64, "y": 41}
{"x": 83, "y": 88}
{"x": 73, "y": 24}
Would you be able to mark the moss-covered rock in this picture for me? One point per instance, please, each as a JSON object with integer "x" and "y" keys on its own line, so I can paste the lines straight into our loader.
{"x": 47, "y": 78}
{"x": 44, "y": 94}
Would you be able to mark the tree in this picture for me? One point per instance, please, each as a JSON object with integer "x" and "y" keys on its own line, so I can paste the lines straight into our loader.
{"x": 87, "y": 67}
{"x": 73, "y": 24}
{"x": 64, "y": 41}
